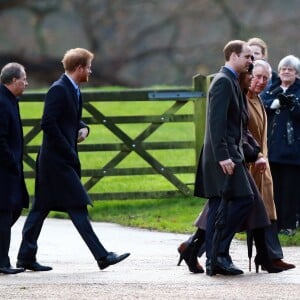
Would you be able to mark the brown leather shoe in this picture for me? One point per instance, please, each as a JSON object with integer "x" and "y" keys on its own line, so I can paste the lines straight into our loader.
{"x": 182, "y": 247}
{"x": 281, "y": 264}
{"x": 185, "y": 250}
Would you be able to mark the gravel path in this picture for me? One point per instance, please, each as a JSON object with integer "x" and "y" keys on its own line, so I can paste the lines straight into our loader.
{"x": 149, "y": 273}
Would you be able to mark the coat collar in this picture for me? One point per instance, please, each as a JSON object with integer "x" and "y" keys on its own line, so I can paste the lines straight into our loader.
{"x": 232, "y": 71}
{"x": 294, "y": 87}
{"x": 8, "y": 93}
{"x": 67, "y": 80}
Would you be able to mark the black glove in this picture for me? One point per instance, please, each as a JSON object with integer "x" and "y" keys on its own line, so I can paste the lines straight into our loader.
{"x": 286, "y": 100}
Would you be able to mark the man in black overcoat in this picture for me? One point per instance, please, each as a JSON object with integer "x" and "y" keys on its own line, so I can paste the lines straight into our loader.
{"x": 13, "y": 192}
{"x": 58, "y": 186}
{"x": 222, "y": 174}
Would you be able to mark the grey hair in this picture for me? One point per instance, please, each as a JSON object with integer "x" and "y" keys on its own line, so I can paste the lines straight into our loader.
{"x": 10, "y": 71}
{"x": 264, "y": 64}
{"x": 290, "y": 61}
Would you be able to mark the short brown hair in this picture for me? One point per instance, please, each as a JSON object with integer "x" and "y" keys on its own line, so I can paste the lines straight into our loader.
{"x": 76, "y": 57}
{"x": 235, "y": 46}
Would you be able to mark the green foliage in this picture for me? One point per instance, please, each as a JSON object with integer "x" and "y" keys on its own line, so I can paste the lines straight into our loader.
{"x": 290, "y": 240}
{"x": 169, "y": 215}
{"x": 284, "y": 240}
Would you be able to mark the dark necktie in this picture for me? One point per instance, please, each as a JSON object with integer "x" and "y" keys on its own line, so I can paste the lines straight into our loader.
{"x": 78, "y": 97}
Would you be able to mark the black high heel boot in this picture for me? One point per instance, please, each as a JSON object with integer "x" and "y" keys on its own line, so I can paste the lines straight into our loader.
{"x": 183, "y": 246}
{"x": 262, "y": 258}
{"x": 189, "y": 252}
{"x": 198, "y": 241}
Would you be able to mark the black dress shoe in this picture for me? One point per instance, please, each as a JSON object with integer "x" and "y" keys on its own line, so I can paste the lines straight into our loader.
{"x": 209, "y": 271}
{"x": 10, "y": 270}
{"x": 223, "y": 266}
{"x": 33, "y": 266}
{"x": 111, "y": 259}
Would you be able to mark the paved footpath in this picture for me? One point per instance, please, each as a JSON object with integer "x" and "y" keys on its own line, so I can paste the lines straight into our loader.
{"x": 149, "y": 273}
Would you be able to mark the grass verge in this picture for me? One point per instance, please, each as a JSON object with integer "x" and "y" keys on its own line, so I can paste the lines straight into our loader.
{"x": 170, "y": 215}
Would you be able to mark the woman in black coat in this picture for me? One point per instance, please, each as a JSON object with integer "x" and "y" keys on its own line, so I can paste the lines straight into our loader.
{"x": 282, "y": 103}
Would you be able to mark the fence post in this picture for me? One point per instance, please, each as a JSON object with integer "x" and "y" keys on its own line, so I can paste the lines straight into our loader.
{"x": 199, "y": 84}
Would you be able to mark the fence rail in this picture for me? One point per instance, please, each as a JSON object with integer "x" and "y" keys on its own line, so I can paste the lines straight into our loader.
{"x": 175, "y": 99}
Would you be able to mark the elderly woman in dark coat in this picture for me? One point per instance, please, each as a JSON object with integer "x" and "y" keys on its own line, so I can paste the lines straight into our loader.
{"x": 281, "y": 101}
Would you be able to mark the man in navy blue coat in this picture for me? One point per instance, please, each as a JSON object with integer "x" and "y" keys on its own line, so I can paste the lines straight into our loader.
{"x": 58, "y": 186}
{"x": 13, "y": 192}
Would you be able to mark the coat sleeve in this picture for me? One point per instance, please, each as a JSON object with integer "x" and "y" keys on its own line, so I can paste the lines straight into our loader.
{"x": 221, "y": 94}
{"x": 6, "y": 156}
{"x": 250, "y": 147}
{"x": 84, "y": 125}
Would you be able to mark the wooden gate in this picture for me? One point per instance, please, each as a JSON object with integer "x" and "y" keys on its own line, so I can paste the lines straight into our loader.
{"x": 99, "y": 117}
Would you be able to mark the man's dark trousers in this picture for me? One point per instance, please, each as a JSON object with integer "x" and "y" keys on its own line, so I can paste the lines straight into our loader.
{"x": 237, "y": 211}
{"x": 33, "y": 226}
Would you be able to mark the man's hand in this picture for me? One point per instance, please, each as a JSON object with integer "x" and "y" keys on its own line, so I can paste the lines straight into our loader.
{"x": 227, "y": 166}
{"x": 261, "y": 164}
{"x": 82, "y": 134}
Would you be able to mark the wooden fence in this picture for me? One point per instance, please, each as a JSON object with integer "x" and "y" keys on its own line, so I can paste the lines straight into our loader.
{"x": 124, "y": 144}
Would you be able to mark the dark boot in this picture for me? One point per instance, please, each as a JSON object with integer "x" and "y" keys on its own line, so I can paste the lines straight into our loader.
{"x": 189, "y": 252}
{"x": 181, "y": 249}
{"x": 199, "y": 239}
{"x": 262, "y": 257}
